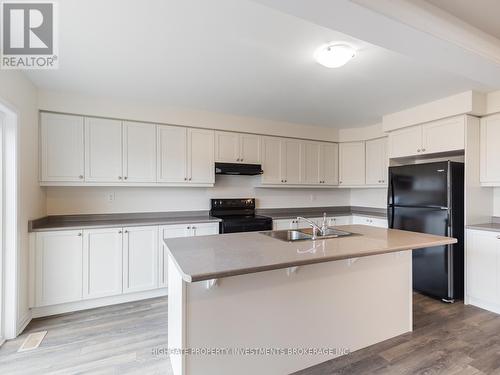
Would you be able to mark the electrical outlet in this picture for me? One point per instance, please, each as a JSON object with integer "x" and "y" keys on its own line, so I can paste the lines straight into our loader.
{"x": 110, "y": 197}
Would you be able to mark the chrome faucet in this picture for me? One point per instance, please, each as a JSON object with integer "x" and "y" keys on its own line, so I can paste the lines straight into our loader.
{"x": 315, "y": 227}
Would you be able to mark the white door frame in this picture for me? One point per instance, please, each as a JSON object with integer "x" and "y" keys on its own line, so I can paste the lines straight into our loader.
{"x": 9, "y": 223}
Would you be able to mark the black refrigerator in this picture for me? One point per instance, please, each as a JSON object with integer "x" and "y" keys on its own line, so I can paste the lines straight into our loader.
{"x": 429, "y": 198}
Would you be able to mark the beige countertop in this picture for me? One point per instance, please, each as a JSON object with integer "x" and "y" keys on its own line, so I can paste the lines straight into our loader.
{"x": 211, "y": 257}
{"x": 490, "y": 227}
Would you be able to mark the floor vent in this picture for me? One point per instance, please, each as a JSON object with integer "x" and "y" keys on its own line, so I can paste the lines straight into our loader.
{"x": 33, "y": 341}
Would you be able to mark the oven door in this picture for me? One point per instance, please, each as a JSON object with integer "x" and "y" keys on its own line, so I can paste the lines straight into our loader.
{"x": 245, "y": 226}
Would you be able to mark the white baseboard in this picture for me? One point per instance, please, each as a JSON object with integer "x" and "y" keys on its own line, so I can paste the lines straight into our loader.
{"x": 490, "y": 306}
{"x": 37, "y": 312}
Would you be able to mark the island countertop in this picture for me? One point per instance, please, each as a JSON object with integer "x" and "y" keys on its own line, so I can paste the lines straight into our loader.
{"x": 217, "y": 256}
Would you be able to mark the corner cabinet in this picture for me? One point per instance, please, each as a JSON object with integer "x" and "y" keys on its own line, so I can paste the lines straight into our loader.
{"x": 377, "y": 162}
{"x": 490, "y": 151}
{"x": 352, "y": 163}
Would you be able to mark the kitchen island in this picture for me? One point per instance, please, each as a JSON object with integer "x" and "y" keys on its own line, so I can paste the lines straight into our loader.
{"x": 247, "y": 303}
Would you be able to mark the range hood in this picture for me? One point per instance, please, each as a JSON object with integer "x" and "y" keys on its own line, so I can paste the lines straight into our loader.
{"x": 238, "y": 169}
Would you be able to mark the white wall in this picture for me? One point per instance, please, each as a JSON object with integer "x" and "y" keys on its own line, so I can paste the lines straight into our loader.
{"x": 73, "y": 200}
{"x": 160, "y": 113}
{"x": 18, "y": 93}
{"x": 376, "y": 198}
{"x": 496, "y": 202}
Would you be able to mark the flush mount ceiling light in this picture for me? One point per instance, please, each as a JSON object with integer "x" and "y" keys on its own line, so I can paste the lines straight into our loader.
{"x": 334, "y": 55}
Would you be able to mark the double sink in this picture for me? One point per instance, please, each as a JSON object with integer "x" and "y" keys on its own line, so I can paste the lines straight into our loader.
{"x": 305, "y": 234}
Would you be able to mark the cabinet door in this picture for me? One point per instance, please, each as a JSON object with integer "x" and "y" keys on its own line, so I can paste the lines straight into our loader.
{"x": 250, "y": 148}
{"x": 272, "y": 160}
{"x": 352, "y": 163}
{"x": 102, "y": 262}
{"x": 444, "y": 135}
{"x": 58, "y": 267}
{"x": 292, "y": 161}
{"x": 61, "y": 148}
{"x": 205, "y": 229}
{"x": 172, "y": 154}
{"x": 227, "y": 147}
{"x": 311, "y": 172}
{"x": 490, "y": 151}
{"x": 139, "y": 152}
{"x": 103, "y": 150}
{"x": 482, "y": 266}
{"x": 405, "y": 142}
{"x": 201, "y": 165}
{"x": 168, "y": 231}
{"x": 329, "y": 163}
{"x": 140, "y": 258}
{"x": 376, "y": 162}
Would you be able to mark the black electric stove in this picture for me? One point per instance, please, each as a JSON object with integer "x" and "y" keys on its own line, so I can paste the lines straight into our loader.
{"x": 238, "y": 215}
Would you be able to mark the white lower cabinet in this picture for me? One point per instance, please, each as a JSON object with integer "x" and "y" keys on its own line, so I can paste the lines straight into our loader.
{"x": 58, "y": 267}
{"x": 140, "y": 259}
{"x": 102, "y": 262}
{"x": 482, "y": 261}
{"x": 179, "y": 230}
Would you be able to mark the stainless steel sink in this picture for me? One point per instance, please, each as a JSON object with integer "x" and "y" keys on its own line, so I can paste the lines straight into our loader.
{"x": 329, "y": 233}
{"x": 288, "y": 235}
{"x": 304, "y": 234}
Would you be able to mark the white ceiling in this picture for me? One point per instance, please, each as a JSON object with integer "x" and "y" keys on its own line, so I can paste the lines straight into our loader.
{"x": 482, "y": 14}
{"x": 233, "y": 56}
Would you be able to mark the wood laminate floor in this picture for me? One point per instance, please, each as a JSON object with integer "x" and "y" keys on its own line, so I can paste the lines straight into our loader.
{"x": 447, "y": 339}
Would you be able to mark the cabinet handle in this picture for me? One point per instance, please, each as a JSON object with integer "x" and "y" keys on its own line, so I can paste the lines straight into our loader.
{"x": 120, "y": 232}
{"x": 423, "y": 149}
{"x": 79, "y": 234}
{"x": 119, "y": 177}
{"x": 185, "y": 178}
{"x": 498, "y": 237}
{"x": 418, "y": 150}
{"x": 238, "y": 159}
{"x": 125, "y": 178}
{"x": 193, "y": 227}
{"x": 340, "y": 182}
{"x": 241, "y": 159}
{"x": 80, "y": 177}
{"x": 126, "y": 231}
{"x": 189, "y": 227}
{"x": 189, "y": 178}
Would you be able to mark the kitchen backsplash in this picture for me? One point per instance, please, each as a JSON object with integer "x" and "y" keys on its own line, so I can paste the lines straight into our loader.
{"x": 75, "y": 200}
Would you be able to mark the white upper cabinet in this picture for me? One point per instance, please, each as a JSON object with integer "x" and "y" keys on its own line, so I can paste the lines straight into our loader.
{"x": 376, "y": 162}
{"x": 61, "y": 148}
{"x": 250, "y": 148}
{"x": 329, "y": 163}
{"x": 311, "y": 173}
{"x": 140, "y": 258}
{"x": 446, "y": 135}
{"x": 233, "y": 147}
{"x": 272, "y": 160}
{"x": 103, "y": 150}
{"x": 292, "y": 161}
{"x": 201, "y": 165}
{"x": 58, "y": 267}
{"x": 172, "y": 154}
{"x": 139, "y": 152}
{"x": 102, "y": 262}
{"x": 405, "y": 142}
{"x": 490, "y": 150}
{"x": 352, "y": 163}
{"x": 227, "y": 147}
